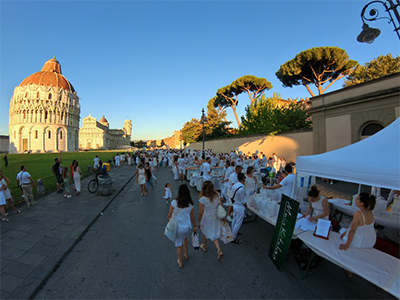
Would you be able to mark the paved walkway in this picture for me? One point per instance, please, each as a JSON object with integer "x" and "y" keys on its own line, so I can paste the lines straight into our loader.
{"x": 35, "y": 242}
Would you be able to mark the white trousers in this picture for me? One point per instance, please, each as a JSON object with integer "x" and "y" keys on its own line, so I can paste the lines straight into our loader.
{"x": 237, "y": 220}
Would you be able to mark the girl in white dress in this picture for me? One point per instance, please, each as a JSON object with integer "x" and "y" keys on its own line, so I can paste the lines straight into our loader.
{"x": 208, "y": 220}
{"x": 141, "y": 178}
{"x": 182, "y": 208}
{"x": 77, "y": 177}
{"x": 167, "y": 192}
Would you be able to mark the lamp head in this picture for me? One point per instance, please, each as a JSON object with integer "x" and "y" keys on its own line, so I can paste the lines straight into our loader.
{"x": 368, "y": 35}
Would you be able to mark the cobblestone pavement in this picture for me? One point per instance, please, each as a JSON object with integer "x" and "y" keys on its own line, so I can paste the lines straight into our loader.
{"x": 35, "y": 242}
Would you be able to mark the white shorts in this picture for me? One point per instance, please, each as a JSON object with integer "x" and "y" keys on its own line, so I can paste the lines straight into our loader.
{"x": 182, "y": 170}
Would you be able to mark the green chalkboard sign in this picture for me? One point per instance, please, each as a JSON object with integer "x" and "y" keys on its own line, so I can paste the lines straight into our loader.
{"x": 283, "y": 231}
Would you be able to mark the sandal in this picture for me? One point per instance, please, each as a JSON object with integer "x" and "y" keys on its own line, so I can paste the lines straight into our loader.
{"x": 179, "y": 263}
{"x": 237, "y": 241}
{"x": 220, "y": 254}
{"x": 203, "y": 248}
{"x": 239, "y": 233}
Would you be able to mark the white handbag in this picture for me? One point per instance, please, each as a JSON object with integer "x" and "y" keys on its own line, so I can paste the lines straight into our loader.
{"x": 170, "y": 229}
{"x": 221, "y": 212}
{"x": 195, "y": 241}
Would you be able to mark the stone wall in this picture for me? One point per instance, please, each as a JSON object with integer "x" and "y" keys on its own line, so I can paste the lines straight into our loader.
{"x": 287, "y": 145}
{"x": 4, "y": 142}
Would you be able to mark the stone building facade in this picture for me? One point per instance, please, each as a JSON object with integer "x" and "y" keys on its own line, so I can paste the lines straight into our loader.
{"x": 44, "y": 113}
{"x": 348, "y": 115}
{"x": 96, "y": 134}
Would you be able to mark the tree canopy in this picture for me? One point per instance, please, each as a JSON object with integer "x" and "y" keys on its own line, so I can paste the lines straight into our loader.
{"x": 227, "y": 96}
{"x": 272, "y": 115}
{"x": 216, "y": 125}
{"x": 316, "y": 66}
{"x": 191, "y": 131}
{"x": 378, "y": 67}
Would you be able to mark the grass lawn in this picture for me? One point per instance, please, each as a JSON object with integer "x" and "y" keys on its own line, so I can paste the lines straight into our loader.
{"x": 39, "y": 165}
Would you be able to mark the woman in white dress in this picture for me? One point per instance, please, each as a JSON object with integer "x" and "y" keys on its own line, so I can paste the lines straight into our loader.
{"x": 182, "y": 208}
{"x": 141, "y": 178}
{"x": 362, "y": 233}
{"x": 208, "y": 221}
{"x": 5, "y": 182}
{"x": 175, "y": 169}
{"x": 77, "y": 177}
{"x": 251, "y": 181}
{"x": 3, "y": 203}
{"x": 317, "y": 203}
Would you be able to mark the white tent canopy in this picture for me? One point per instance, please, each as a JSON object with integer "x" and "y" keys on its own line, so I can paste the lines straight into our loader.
{"x": 374, "y": 161}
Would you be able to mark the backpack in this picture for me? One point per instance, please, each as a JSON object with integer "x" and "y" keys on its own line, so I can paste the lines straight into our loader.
{"x": 54, "y": 169}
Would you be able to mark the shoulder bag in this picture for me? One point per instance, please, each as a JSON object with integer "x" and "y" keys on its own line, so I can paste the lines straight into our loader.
{"x": 170, "y": 229}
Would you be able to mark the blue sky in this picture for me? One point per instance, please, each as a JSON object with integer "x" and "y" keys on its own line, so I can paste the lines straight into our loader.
{"x": 159, "y": 62}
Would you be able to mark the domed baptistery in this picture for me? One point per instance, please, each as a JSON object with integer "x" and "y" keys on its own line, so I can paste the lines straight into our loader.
{"x": 44, "y": 112}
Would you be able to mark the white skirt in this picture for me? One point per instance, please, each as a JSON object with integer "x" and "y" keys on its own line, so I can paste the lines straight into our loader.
{"x": 2, "y": 199}
{"x": 7, "y": 194}
{"x": 181, "y": 234}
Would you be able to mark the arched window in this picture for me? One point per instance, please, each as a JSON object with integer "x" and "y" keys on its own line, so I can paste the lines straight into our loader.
{"x": 37, "y": 95}
{"x": 60, "y": 135}
{"x": 26, "y": 95}
{"x": 49, "y": 134}
{"x": 36, "y": 134}
{"x": 370, "y": 129}
{"x": 49, "y": 96}
{"x": 45, "y": 115}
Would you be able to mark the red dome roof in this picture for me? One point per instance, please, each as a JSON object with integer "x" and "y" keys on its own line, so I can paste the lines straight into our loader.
{"x": 50, "y": 75}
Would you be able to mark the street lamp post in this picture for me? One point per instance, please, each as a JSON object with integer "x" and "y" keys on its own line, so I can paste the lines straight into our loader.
{"x": 202, "y": 121}
{"x": 368, "y": 35}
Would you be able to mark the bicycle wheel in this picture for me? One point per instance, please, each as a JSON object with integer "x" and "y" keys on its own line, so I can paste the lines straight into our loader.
{"x": 93, "y": 186}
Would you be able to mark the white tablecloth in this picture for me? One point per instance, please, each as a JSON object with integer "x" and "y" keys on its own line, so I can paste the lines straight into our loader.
{"x": 373, "y": 265}
{"x": 383, "y": 219}
{"x": 272, "y": 220}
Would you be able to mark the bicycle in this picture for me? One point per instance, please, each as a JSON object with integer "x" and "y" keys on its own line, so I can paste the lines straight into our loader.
{"x": 94, "y": 183}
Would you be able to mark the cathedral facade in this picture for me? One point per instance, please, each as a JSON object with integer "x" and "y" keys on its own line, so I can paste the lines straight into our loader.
{"x": 96, "y": 134}
{"x": 44, "y": 113}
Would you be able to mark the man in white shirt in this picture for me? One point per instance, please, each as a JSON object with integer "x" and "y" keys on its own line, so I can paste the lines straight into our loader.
{"x": 182, "y": 167}
{"x": 239, "y": 206}
{"x": 96, "y": 162}
{"x": 24, "y": 180}
{"x": 286, "y": 183}
{"x": 206, "y": 169}
{"x": 264, "y": 161}
{"x": 233, "y": 179}
{"x": 117, "y": 161}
